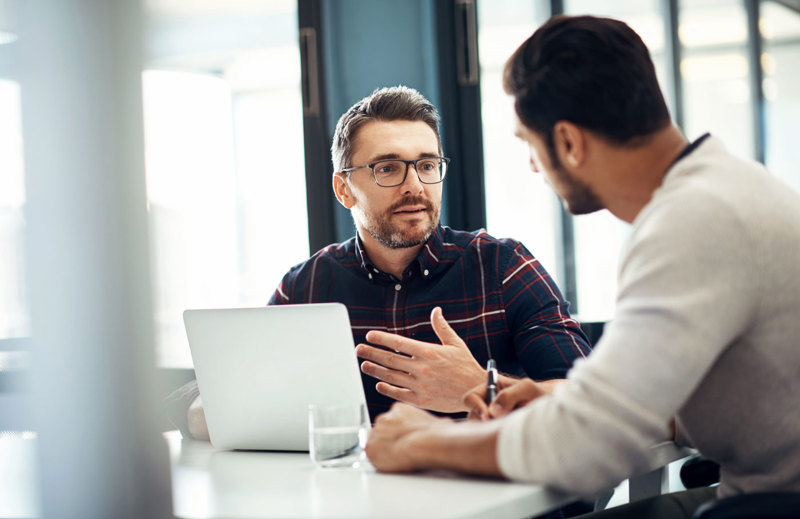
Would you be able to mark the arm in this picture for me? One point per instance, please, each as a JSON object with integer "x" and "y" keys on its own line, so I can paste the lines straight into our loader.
{"x": 595, "y": 430}
{"x": 196, "y": 417}
{"x": 547, "y": 340}
{"x": 407, "y": 439}
{"x": 685, "y": 294}
{"x": 178, "y": 405}
{"x": 430, "y": 376}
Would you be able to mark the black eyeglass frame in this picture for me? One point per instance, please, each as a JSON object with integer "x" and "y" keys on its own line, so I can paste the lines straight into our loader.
{"x": 371, "y": 166}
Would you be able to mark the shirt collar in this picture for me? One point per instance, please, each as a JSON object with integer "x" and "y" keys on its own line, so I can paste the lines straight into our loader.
{"x": 431, "y": 252}
{"x": 428, "y": 257}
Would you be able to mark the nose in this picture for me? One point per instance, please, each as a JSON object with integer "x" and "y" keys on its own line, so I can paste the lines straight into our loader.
{"x": 412, "y": 184}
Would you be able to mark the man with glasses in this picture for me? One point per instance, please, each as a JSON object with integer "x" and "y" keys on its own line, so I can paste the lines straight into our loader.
{"x": 703, "y": 347}
{"x": 403, "y": 273}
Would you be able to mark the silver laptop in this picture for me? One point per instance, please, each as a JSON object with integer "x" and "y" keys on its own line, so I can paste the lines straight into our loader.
{"x": 258, "y": 369}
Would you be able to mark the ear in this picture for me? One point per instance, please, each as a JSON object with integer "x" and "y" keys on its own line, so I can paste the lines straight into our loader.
{"x": 342, "y": 190}
{"x": 570, "y": 143}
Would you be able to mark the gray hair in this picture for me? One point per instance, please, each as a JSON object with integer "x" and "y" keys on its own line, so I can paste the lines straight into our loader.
{"x": 398, "y": 103}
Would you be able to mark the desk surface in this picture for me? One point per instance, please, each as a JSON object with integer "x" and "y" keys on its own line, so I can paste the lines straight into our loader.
{"x": 210, "y": 483}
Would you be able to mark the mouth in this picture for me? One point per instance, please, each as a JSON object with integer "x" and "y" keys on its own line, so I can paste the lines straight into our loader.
{"x": 407, "y": 210}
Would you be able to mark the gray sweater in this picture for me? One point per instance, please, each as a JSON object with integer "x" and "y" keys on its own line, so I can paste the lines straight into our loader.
{"x": 707, "y": 329}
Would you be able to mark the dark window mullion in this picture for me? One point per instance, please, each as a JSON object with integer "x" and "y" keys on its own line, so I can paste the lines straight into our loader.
{"x": 460, "y": 109}
{"x": 674, "y": 52}
{"x": 754, "y": 47}
{"x": 320, "y": 205}
{"x": 566, "y": 260}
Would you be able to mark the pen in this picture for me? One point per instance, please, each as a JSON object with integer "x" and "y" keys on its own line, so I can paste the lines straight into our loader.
{"x": 491, "y": 385}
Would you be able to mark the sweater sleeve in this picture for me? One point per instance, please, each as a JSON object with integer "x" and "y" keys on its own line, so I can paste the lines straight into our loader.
{"x": 686, "y": 291}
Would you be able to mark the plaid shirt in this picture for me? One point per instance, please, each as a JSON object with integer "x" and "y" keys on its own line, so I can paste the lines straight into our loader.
{"x": 494, "y": 294}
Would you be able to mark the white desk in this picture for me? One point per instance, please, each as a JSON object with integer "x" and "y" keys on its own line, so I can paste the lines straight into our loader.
{"x": 209, "y": 483}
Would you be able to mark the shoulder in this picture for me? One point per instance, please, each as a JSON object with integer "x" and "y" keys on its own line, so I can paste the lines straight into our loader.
{"x": 333, "y": 256}
{"x": 696, "y": 227}
{"x": 699, "y": 205}
{"x": 479, "y": 239}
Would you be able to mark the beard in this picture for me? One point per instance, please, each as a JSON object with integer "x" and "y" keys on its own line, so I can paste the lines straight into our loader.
{"x": 381, "y": 227}
{"x": 578, "y": 197}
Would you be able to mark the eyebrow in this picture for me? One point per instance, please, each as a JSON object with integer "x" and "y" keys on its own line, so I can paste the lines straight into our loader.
{"x": 390, "y": 156}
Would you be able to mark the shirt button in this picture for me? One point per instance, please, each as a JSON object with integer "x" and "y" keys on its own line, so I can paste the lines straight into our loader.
{"x": 376, "y": 270}
{"x": 425, "y": 272}
{"x": 398, "y": 287}
{"x": 370, "y": 275}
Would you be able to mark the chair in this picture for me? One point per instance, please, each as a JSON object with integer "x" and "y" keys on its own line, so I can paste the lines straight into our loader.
{"x": 767, "y": 505}
{"x": 699, "y": 472}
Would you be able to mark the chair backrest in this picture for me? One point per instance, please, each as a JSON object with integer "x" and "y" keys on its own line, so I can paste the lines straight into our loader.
{"x": 772, "y": 505}
{"x": 699, "y": 472}
{"x": 593, "y": 330}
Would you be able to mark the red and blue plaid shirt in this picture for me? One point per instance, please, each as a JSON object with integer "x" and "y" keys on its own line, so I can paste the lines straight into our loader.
{"x": 494, "y": 294}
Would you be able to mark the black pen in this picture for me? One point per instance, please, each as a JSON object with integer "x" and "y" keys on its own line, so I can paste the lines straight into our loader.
{"x": 491, "y": 385}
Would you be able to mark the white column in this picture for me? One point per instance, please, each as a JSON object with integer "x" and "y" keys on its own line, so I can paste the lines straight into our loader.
{"x": 100, "y": 454}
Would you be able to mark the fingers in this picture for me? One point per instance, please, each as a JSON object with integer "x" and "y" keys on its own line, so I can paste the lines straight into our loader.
{"x": 443, "y": 329}
{"x": 517, "y": 395}
{"x": 391, "y": 376}
{"x": 397, "y": 342}
{"x": 400, "y": 394}
{"x": 478, "y": 410}
{"x": 384, "y": 358}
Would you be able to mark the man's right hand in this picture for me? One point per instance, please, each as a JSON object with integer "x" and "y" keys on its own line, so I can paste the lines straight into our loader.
{"x": 513, "y": 394}
{"x": 196, "y": 417}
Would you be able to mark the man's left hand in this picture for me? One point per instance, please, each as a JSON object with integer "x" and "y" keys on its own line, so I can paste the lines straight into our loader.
{"x": 427, "y": 375}
{"x": 390, "y": 447}
{"x": 407, "y": 439}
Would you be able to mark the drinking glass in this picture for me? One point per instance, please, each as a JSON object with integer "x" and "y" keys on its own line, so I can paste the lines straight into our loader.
{"x": 337, "y": 434}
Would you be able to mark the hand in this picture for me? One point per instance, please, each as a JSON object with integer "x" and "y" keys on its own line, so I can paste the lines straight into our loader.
{"x": 390, "y": 446}
{"x": 196, "y": 418}
{"x": 513, "y": 394}
{"x": 427, "y": 375}
{"x": 407, "y": 439}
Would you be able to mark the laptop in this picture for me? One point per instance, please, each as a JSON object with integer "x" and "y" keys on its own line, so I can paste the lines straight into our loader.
{"x": 258, "y": 369}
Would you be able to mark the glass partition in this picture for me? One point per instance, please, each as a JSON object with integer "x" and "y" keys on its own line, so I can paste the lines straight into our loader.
{"x": 224, "y": 157}
{"x": 780, "y": 29}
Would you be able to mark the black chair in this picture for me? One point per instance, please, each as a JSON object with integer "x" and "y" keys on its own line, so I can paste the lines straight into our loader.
{"x": 767, "y": 505}
{"x": 699, "y": 472}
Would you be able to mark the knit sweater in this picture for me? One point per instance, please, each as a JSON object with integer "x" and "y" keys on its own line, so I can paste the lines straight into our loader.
{"x": 707, "y": 331}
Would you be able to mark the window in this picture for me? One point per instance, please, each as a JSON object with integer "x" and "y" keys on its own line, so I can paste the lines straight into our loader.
{"x": 14, "y": 320}
{"x": 224, "y": 158}
{"x": 518, "y": 202}
{"x": 780, "y": 28}
{"x": 715, "y": 71}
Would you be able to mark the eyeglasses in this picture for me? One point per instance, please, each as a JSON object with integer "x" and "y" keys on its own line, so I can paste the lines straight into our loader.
{"x": 390, "y": 173}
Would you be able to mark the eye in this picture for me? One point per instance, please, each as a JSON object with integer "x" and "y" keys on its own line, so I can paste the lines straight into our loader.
{"x": 427, "y": 165}
{"x": 386, "y": 168}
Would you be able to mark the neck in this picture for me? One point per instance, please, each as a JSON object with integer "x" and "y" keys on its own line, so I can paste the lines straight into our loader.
{"x": 392, "y": 261}
{"x": 633, "y": 175}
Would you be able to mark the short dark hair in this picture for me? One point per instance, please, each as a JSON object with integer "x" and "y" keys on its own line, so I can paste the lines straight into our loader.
{"x": 594, "y": 72}
{"x": 398, "y": 103}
